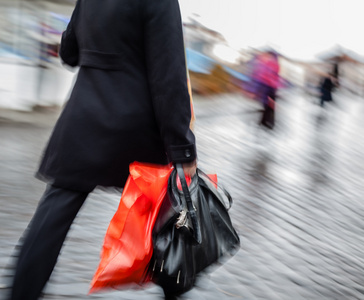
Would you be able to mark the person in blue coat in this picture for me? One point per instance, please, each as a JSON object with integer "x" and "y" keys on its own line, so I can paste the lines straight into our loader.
{"x": 130, "y": 102}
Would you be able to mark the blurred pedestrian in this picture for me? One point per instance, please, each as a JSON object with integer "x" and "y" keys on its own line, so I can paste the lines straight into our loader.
{"x": 267, "y": 77}
{"x": 130, "y": 103}
{"x": 326, "y": 87}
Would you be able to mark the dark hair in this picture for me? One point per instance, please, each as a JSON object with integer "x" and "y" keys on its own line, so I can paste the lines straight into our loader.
{"x": 273, "y": 53}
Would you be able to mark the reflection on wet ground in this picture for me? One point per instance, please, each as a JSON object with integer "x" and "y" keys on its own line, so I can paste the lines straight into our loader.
{"x": 297, "y": 201}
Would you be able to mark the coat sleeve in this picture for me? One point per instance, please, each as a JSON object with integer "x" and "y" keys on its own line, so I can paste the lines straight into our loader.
{"x": 167, "y": 77}
{"x": 69, "y": 46}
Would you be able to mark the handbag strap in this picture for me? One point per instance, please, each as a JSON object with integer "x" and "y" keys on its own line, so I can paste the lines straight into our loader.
{"x": 190, "y": 207}
{"x": 227, "y": 194}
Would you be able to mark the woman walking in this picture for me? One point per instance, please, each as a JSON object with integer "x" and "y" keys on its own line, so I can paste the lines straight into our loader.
{"x": 130, "y": 103}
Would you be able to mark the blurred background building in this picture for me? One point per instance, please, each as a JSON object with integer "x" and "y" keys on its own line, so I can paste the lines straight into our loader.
{"x": 32, "y": 74}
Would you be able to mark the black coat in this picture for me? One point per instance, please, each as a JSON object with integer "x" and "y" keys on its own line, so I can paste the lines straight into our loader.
{"x": 326, "y": 89}
{"x": 130, "y": 101}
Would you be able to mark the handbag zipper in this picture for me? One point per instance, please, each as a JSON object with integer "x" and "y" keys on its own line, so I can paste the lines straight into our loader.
{"x": 162, "y": 265}
{"x": 179, "y": 273}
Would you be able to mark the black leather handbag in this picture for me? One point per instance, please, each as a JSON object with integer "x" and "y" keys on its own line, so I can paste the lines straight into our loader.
{"x": 192, "y": 231}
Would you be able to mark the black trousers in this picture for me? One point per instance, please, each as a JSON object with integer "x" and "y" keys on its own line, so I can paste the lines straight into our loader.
{"x": 43, "y": 241}
{"x": 268, "y": 117}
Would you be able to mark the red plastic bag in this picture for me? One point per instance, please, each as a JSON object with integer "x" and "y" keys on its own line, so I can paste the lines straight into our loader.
{"x": 127, "y": 247}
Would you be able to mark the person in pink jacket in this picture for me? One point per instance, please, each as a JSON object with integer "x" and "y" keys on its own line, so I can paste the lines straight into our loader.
{"x": 267, "y": 75}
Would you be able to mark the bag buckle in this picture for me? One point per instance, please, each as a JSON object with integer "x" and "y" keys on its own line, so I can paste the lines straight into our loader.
{"x": 183, "y": 220}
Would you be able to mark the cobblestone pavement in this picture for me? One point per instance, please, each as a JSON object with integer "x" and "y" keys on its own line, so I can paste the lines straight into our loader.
{"x": 298, "y": 201}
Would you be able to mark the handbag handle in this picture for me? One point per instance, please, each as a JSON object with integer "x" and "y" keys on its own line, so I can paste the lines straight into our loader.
{"x": 227, "y": 194}
{"x": 191, "y": 209}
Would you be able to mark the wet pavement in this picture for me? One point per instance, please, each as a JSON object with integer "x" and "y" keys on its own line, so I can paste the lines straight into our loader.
{"x": 298, "y": 200}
